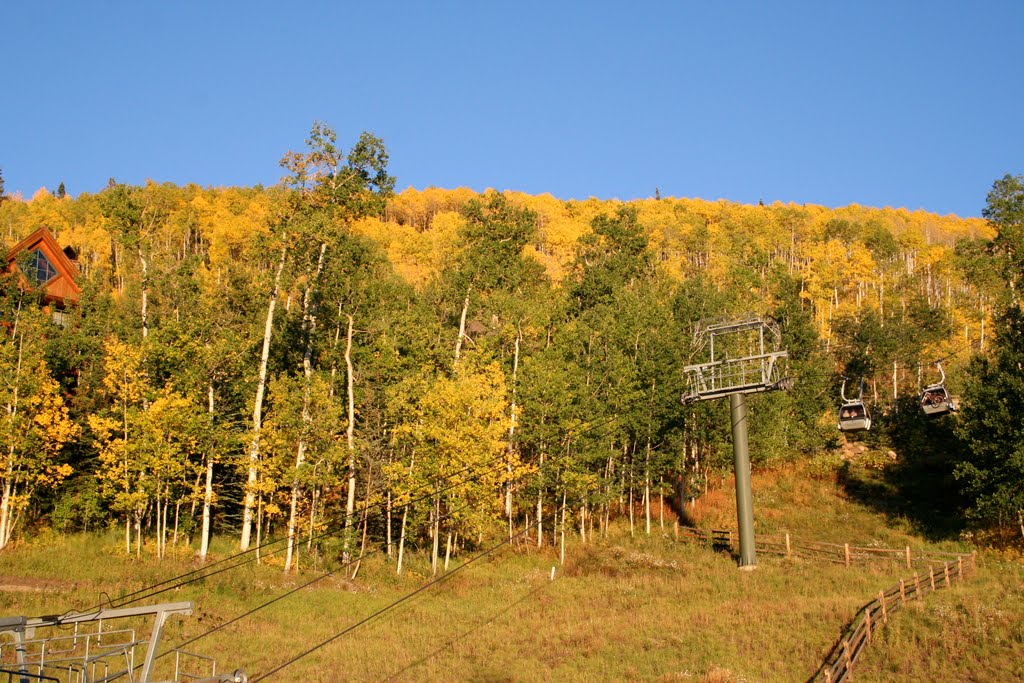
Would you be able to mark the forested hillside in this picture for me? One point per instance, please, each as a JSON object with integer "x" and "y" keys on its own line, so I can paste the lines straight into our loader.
{"x": 257, "y": 361}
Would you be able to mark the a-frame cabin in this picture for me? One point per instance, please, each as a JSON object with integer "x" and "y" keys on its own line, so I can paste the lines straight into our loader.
{"x": 48, "y": 267}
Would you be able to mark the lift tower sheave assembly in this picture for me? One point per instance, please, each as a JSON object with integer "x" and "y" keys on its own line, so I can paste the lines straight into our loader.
{"x": 744, "y": 360}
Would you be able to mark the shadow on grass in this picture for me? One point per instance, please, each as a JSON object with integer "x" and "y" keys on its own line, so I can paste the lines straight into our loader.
{"x": 919, "y": 486}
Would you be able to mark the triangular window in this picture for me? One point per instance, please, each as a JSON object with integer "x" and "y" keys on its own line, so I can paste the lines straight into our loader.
{"x": 40, "y": 267}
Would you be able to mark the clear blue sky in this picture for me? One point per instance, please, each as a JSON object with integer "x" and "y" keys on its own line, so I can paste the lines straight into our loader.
{"x": 912, "y": 104}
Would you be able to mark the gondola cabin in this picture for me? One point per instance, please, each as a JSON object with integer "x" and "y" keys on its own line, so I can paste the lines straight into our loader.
{"x": 854, "y": 417}
{"x": 936, "y": 401}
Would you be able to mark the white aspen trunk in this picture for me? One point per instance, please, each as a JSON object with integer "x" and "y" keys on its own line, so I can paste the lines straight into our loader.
{"x": 388, "y": 522}
{"x": 334, "y": 347}
{"x": 156, "y": 524}
{"x": 983, "y": 329}
{"x": 583, "y": 523}
{"x": 631, "y": 523}
{"x": 138, "y": 532}
{"x": 447, "y": 551}
{"x": 561, "y": 558}
{"x": 365, "y": 521}
{"x": 257, "y": 412}
{"x": 6, "y": 506}
{"x": 204, "y": 542}
{"x": 401, "y": 539}
{"x": 437, "y": 533}
{"x": 145, "y": 294}
{"x": 309, "y": 328}
{"x": 259, "y": 529}
{"x": 511, "y": 436}
{"x": 462, "y": 329}
{"x": 163, "y": 527}
{"x": 292, "y": 514}
{"x": 540, "y": 502}
{"x": 177, "y": 517}
{"x": 314, "y": 501}
{"x": 647, "y": 487}
{"x": 405, "y": 517}
{"x": 350, "y": 435}
{"x": 894, "y": 381}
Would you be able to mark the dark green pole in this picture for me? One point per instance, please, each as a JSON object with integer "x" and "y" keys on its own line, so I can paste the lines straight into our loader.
{"x": 744, "y": 492}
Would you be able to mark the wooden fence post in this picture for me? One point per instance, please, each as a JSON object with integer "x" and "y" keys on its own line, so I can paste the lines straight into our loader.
{"x": 789, "y": 550}
{"x": 885, "y": 609}
{"x": 903, "y": 594}
{"x": 945, "y": 571}
{"x": 867, "y": 622}
{"x": 908, "y": 558}
{"x": 846, "y": 654}
{"x": 828, "y": 674}
{"x": 677, "y": 530}
{"x": 846, "y": 551}
{"x": 960, "y": 568}
{"x": 931, "y": 577}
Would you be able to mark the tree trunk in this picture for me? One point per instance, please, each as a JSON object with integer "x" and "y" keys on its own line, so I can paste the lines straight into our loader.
{"x": 540, "y": 502}
{"x": 308, "y": 328}
{"x": 511, "y": 436}
{"x": 204, "y": 541}
{"x": 462, "y": 329}
{"x": 436, "y": 530}
{"x": 561, "y": 558}
{"x": 177, "y": 511}
{"x": 405, "y": 517}
{"x": 257, "y": 412}
{"x": 350, "y": 435}
{"x": 6, "y": 506}
{"x": 365, "y": 521}
{"x": 647, "y": 486}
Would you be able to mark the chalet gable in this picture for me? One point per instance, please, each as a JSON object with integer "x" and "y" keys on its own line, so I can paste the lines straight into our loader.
{"x": 49, "y": 268}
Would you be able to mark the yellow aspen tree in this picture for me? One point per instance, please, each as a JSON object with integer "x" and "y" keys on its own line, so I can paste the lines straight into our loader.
{"x": 126, "y": 385}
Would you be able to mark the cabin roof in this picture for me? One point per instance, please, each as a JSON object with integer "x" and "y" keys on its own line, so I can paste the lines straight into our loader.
{"x": 61, "y": 288}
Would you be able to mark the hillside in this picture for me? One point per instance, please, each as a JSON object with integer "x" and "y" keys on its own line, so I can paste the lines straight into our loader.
{"x": 621, "y": 608}
{"x": 259, "y": 361}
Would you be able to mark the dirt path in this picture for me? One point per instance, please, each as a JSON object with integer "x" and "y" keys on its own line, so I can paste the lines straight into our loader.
{"x": 29, "y": 584}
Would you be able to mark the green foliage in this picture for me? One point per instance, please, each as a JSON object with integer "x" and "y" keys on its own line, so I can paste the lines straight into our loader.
{"x": 609, "y": 258}
{"x": 993, "y": 404}
{"x": 581, "y": 315}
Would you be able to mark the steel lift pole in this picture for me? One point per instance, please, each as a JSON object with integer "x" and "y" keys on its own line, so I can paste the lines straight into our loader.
{"x": 744, "y": 490}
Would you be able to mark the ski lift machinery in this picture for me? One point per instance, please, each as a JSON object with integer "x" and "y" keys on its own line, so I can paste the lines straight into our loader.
{"x": 731, "y": 373}
{"x": 853, "y": 414}
{"x": 935, "y": 399}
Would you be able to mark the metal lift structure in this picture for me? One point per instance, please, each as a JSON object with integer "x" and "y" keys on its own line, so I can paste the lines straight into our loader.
{"x": 101, "y": 646}
{"x": 745, "y": 359}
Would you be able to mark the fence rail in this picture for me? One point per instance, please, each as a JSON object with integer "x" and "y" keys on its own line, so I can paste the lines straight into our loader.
{"x": 843, "y": 553}
{"x": 838, "y": 665}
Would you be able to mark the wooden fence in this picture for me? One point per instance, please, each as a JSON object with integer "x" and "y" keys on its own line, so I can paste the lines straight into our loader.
{"x": 842, "y": 553}
{"x": 839, "y": 663}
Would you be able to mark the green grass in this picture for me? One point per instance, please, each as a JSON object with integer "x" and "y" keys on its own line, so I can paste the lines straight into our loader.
{"x": 622, "y": 608}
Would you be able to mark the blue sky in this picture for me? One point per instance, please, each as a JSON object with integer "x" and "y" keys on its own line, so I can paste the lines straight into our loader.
{"x": 906, "y": 104}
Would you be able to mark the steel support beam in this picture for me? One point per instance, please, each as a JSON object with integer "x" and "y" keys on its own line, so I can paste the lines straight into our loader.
{"x": 744, "y": 491}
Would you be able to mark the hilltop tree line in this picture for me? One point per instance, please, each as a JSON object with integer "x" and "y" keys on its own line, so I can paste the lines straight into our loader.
{"x": 327, "y": 359}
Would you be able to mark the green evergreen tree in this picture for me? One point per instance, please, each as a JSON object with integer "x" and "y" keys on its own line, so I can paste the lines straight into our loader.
{"x": 992, "y": 422}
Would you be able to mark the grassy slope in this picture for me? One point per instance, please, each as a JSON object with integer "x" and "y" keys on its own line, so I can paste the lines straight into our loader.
{"x": 621, "y": 609}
